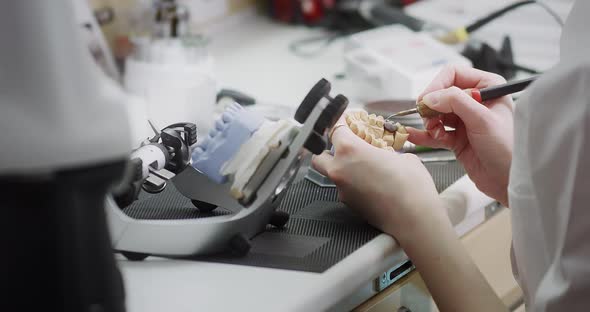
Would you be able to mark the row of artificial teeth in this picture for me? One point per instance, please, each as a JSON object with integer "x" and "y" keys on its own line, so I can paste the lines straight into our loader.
{"x": 220, "y": 124}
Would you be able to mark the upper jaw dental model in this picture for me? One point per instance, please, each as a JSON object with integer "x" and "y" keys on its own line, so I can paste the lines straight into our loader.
{"x": 376, "y": 131}
{"x": 232, "y": 129}
{"x": 237, "y": 145}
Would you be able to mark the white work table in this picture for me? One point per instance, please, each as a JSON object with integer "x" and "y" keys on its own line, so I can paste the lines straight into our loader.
{"x": 169, "y": 285}
{"x": 158, "y": 284}
{"x": 254, "y": 58}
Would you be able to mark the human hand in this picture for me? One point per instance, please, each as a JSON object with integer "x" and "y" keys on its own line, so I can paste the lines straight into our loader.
{"x": 394, "y": 192}
{"x": 482, "y": 138}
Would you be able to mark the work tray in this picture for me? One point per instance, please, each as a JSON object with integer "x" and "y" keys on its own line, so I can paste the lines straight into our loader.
{"x": 320, "y": 232}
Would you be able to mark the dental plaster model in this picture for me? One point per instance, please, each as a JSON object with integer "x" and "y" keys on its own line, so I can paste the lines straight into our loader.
{"x": 235, "y": 126}
{"x": 376, "y": 131}
{"x": 237, "y": 145}
{"x": 243, "y": 165}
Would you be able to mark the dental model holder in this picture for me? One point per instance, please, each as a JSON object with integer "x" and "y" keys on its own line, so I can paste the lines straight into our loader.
{"x": 208, "y": 189}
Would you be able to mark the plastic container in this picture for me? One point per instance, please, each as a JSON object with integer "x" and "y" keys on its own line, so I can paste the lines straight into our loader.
{"x": 176, "y": 86}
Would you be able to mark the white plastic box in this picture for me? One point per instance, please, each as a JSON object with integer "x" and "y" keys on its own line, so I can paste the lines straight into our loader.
{"x": 393, "y": 62}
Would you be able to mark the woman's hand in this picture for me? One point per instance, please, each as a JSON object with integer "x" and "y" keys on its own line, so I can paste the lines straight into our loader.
{"x": 394, "y": 192}
{"x": 482, "y": 138}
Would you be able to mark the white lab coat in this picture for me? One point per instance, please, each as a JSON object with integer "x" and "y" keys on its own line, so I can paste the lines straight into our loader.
{"x": 549, "y": 190}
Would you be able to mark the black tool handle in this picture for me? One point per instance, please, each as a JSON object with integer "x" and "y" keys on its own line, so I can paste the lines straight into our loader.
{"x": 505, "y": 89}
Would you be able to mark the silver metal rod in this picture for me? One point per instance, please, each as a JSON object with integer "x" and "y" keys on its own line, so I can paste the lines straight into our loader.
{"x": 403, "y": 113}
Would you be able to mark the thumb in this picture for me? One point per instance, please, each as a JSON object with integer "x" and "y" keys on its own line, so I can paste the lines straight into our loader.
{"x": 454, "y": 100}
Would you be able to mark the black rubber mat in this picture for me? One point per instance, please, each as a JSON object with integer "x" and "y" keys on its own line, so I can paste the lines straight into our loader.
{"x": 320, "y": 232}
{"x": 167, "y": 205}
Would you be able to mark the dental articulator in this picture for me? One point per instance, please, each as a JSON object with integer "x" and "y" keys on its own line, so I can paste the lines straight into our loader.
{"x": 243, "y": 165}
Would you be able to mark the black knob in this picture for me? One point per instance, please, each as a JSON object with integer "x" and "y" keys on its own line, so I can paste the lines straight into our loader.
{"x": 239, "y": 245}
{"x": 190, "y": 129}
{"x": 315, "y": 143}
{"x": 320, "y": 89}
{"x": 279, "y": 219}
{"x": 331, "y": 113}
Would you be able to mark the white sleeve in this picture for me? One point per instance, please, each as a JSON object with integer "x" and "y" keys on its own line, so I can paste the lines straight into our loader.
{"x": 559, "y": 155}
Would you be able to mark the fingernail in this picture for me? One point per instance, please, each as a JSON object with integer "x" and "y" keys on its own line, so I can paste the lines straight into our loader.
{"x": 437, "y": 133}
{"x": 432, "y": 98}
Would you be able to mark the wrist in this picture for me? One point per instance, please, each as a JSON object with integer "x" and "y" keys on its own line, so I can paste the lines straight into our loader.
{"x": 425, "y": 220}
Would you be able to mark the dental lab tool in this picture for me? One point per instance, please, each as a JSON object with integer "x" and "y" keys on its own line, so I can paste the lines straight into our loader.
{"x": 236, "y": 181}
{"x": 480, "y": 95}
{"x": 387, "y": 107}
